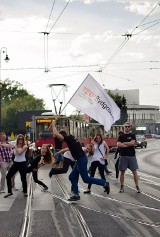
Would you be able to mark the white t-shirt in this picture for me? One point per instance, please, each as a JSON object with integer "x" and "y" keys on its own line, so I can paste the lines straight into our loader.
{"x": 99, "y": 152}
{"x": 68, "y": 155}
{"x": 21, "y": 157}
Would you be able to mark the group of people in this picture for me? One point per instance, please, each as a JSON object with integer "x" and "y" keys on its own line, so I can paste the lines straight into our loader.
{"x": 18, "y": 158}
{"x": 100, "y": 150}
{"x": 74, "y": 155}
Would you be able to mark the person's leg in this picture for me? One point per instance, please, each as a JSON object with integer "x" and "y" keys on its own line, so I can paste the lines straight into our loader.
{"x": 64, "y": 169}
{"x": 82, "y": 167}
{"x": 133, "y": 166}
{"x": 101, "y": 170}
{"x": 135, "y": 176}
{"x": 22, "y": 167}
{"x": 117, "y": 168}
{"x": 36, "y": 180}
{"x": 73, "y": 179}
{"x": 12, "y": 171}
{"x": 3, "y": 175}
{"x": 93, "y": 168}
{"x": 123, "y": 164}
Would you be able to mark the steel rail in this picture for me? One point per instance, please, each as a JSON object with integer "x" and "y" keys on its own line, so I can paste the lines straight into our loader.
{"x": 27, "y": 214}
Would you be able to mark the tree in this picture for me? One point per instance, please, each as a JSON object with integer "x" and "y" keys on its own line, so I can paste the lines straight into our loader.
{"x": 15, "y": 98}
{"x": 121, "y": 103}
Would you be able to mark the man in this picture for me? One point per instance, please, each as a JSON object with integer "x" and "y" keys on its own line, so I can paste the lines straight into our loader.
{"x": 6, "y": 161}
{"x": 81, "y": 163}
{"x": 126, "y": 143}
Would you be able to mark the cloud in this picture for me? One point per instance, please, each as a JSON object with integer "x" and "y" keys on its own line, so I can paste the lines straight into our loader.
{"x": 138, "y": 6}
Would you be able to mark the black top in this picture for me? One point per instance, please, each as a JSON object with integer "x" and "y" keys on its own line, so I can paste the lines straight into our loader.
{"x": 127, "y": 151}
{"x": 35, "y": 162}
{"x": 58, "y": 144}
{"x": 74, "y": 146}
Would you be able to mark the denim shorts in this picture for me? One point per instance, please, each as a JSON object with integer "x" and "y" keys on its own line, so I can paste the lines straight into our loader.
{"x": 128, "y": 162}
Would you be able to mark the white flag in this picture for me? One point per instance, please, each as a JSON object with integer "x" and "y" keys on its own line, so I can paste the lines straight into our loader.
{"x": 94, "y": 101}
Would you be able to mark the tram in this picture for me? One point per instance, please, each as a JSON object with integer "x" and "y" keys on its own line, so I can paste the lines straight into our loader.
{"x": 79, "y": 126}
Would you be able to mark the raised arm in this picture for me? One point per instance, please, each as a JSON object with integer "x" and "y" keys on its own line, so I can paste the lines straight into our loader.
{"x": 53, "y": 128}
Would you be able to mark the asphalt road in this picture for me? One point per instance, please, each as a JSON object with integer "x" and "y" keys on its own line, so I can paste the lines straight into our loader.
{"x": 97, "y": 214}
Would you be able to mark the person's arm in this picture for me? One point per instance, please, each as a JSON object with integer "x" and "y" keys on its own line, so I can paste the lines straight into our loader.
{"x": 55, "y": 131}
{"x": 61, "y": 152}
{"x": 20, "y": 151}
{"x": 7, "y": 145}
{"x": 121, "y": 145}
{"x": 131, "y": 143}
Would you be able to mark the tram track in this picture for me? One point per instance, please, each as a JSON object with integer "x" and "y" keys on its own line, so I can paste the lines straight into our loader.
{"x": 82, "y": 223}
{"x": 121, "y": 216}
{"x": 25, "y": 229}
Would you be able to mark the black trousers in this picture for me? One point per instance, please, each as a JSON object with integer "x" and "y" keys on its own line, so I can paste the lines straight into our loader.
{"x": 94, "y": 166}
{"x": 117, "y": 168}
{"x": 22, "y": 168}
{"x": 66, "y": 163}
{"x": 35, "y": 176}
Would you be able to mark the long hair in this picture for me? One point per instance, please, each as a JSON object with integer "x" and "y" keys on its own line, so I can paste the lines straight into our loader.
{"x": 48, "y": 156}
{"x": 95, "y": 139}
{"x": 18, "y": 137}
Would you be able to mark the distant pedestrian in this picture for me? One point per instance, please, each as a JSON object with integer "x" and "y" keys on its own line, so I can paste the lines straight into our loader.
{"x": 81, "y": 163}
{"x": 100, "y": 155}
{"x": 126, "y": 143}
{"x": 19, "y": 164}
{"x": 45, "y": 157}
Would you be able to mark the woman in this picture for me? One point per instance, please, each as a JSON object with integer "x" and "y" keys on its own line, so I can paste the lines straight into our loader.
{"x": 101, "y": 151}
{"x": 19, "y": 164}
{"x": 45, "y": 157}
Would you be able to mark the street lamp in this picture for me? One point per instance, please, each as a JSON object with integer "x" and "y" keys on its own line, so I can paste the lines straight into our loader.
{"x": 3, "y": 50}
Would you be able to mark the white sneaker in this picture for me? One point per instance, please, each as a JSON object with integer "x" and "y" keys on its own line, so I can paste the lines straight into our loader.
{"x": 15, "y": 189}
{"x": 2, "y": 190}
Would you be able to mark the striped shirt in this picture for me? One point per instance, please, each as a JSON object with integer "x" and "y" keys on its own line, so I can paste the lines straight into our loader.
{"x": 6, "y": 154}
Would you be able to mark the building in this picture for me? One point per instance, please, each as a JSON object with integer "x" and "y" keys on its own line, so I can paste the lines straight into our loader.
{"x": 144, "y": 118}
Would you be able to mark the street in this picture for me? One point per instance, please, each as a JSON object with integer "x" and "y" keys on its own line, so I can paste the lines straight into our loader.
{"x": 98, "y": 214}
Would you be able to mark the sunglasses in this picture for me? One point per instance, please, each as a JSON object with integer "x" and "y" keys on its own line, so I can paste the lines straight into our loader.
{"x": 127, "y": 126}
{"x": 20, "y": 139}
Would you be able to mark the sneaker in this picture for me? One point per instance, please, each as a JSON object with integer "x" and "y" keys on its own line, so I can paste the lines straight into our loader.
{"x": 45, "y": 188}
{"x": 107, "y": 188}
{"x": 25, "y": 195}
{"x": 121, "y": 190}
{"x": 51, "y": 173}
{"x": 15, "y": 189}
{"x": 2, "y": 190}
{"x": 74, "y": 198}
{"x": 138, "y": 190}
{"x": 87, "y": 192}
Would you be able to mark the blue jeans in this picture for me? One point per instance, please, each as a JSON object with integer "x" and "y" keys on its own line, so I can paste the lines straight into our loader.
{"x": 80, "y": 167}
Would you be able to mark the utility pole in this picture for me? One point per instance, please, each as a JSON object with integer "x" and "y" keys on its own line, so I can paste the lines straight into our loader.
{"x": 2, "y": 50}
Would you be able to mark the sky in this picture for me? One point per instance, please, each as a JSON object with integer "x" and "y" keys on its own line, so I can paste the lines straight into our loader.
{"x": 116, "y": 41}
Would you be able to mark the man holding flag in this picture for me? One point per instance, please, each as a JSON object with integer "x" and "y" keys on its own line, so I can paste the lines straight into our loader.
{"x": 80, "y": 166}
{"x": 93, "y": 100}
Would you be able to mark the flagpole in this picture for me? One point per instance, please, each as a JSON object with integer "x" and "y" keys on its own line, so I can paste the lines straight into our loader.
{"x": 73, "y": 94}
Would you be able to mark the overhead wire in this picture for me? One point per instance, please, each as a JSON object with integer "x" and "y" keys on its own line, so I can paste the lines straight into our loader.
{"x": 127, "y": 37}
{"x": 59, "y": 16}
{"x": 50, "y": 14}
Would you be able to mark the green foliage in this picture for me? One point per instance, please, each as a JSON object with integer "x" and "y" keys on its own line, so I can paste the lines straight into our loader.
{"x": 16, "y": 98}
{"x": 121, "y": 103}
